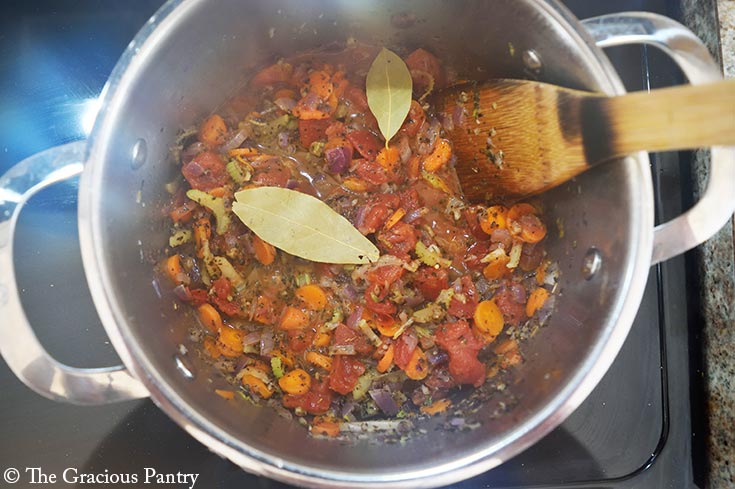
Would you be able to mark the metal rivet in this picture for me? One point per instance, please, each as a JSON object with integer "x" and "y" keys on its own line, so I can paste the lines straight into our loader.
{"x": 183, "y": 367}
{"x": 592, "y": 263}
{"x": 532, "y": 60}
{"x": 139, "y": 154}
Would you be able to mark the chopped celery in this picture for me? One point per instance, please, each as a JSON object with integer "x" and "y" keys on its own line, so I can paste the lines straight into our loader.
{"x": 277, "y": 367}
{"x": 239, "y": 172}
{"x": 180, "y": 237}
{"x": 215, "y": 204}
{"x": 431, "y": 255}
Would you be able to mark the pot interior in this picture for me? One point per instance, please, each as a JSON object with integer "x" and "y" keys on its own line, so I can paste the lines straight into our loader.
{"x": 198, "y": 56}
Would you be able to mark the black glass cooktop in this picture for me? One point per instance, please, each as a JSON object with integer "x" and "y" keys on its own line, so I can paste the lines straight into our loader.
{"x": 638, "y": 428}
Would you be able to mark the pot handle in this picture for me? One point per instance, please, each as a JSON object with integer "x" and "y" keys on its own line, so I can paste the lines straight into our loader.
{"x": 19, "y": 345}
{"x": 716, "y": 205}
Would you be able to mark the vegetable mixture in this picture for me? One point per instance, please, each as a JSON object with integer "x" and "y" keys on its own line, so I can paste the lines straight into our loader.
{"x": 438, "y": 289}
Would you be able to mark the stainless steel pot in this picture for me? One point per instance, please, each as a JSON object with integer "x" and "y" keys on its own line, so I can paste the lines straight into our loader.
{"x": 186, "y": 60}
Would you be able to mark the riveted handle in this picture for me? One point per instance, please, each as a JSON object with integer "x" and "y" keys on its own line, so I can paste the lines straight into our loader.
{"x": 19, "y": 345}
{"x": 716, "y": 205}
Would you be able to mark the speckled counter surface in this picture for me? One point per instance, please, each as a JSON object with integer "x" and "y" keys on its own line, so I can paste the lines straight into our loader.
{"x": 717, "y": 272}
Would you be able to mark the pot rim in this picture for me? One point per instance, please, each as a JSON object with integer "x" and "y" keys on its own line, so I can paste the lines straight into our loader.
{"x": 557, "y": 409}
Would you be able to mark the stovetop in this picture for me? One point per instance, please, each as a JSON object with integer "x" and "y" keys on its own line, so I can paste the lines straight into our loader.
{"x": 638, "y": 428}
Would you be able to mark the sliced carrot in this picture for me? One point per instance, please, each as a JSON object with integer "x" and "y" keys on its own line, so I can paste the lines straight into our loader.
{"x": 213, "y": 131}
{"x": 439, "y": 157}
{"x": 436, "y": 407}
{"x": 532, "y": 230}
{"x": 217, "y": 192}
{"x": 536, "y": 300}
{"x": 256, "y": 386}
{"x": 518, "y": 210}
{"x": 488, "y": 320}
{"x": 325, "y": 426}
{"x": 385, "y": 363}
{"x": 230, "y": 341}
{"x": 210, "y": 346}
{"x": 497, "y": 216}
{"x": 243, "y": 152}
{"x": 265, "y": 310}
{"x": 394, "y": 218}
{"x": 497, "y": 268}
{"x": 413, "y": 169}
{"x": 229, "y": 395}
{"x": 173, "y": 268}
{"x": 312, "y": 296}
{"x": 388, "y": 158}
{"x": 285, "y": 358}
{"x": 296, "y": 382}
{"x": 322, "y": 338}
{"x": 320, "y": 83}
{"x": 264, "y": 252}
{"x": 355, "y": 184}
{"x": 210, "y": 318}
{"x": 417, "y": 367}
{"x": 293, "y": 318}
{"x": 319, "y": 360}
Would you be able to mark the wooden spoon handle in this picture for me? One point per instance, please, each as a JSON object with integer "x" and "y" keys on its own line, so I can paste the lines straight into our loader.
{"x": 686, "y": 117}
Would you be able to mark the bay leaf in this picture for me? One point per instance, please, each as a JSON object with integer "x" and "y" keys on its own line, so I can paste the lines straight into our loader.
{"x": 389, "y": 87}
{"x": 302, "y": 225}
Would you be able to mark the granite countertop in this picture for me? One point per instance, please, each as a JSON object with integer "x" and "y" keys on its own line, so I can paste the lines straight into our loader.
{"x": 717, "y": 272}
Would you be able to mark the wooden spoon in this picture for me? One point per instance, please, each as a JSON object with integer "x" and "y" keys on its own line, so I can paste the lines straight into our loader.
{"x": 515, "y": 138}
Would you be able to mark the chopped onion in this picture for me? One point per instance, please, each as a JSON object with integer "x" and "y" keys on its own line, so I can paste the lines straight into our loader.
{"x": 285, "y": 104}
{"x": 182, "y": 292}
{"x": 338, "y": 159}
{"x": 436, "y": 357}
{"x": 410, "y": 340}
{"x": 355, "y": 317}
{"x": 413, "y": 215}
{"x": 283, "y": 139}
{"x": 266, "y": 342}
{"x": 251, "y": 338}
{"x": 342, "y": 350}
{"x": 384, "y": 400}
{"x": 515, "y": 255}
{"x": 192, "y": 150}
{"x": 235, "y": 141}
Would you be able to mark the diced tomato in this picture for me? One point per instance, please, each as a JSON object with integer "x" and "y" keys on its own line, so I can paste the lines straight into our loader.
{"x": 357, "y": 98}
{"x": 313, "y": 130}
{"x": 512, "y": 303}
{"x": 462, "y": 346}
{"x": 399, "y": 240}
{"x": 183, "y": 212}
{"x": 410, "y": 200}
{"x": 431, "y": 281}
{"x": 476, "y": 252}
{"x": 345, "y": 371}
{"x": 374, "y": 301}
{"x": 222, "y": 292}
{"x": 385, "y": 275}
{"x": 402, "y": 351}
{"x": 472, "y": 216}
{"x": 317, "y": 401}
{"x": 205, "y": 171}
{"x": 345, "y": 335}
{"x": 414, "y": 120}
{"x": 423, "y": 61}
{"x": 198, "y": 297}
{"x": 371, "y": 172}
{"x": 277, "y": 73}
{"x": 464, "y": 308}
{"x": 272, "y": 174}
{"x": 373, "y": 218}
{"x": 300, "y": 339}
{"x": 267, "y": 310}
{"x": 366, "y": 143}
